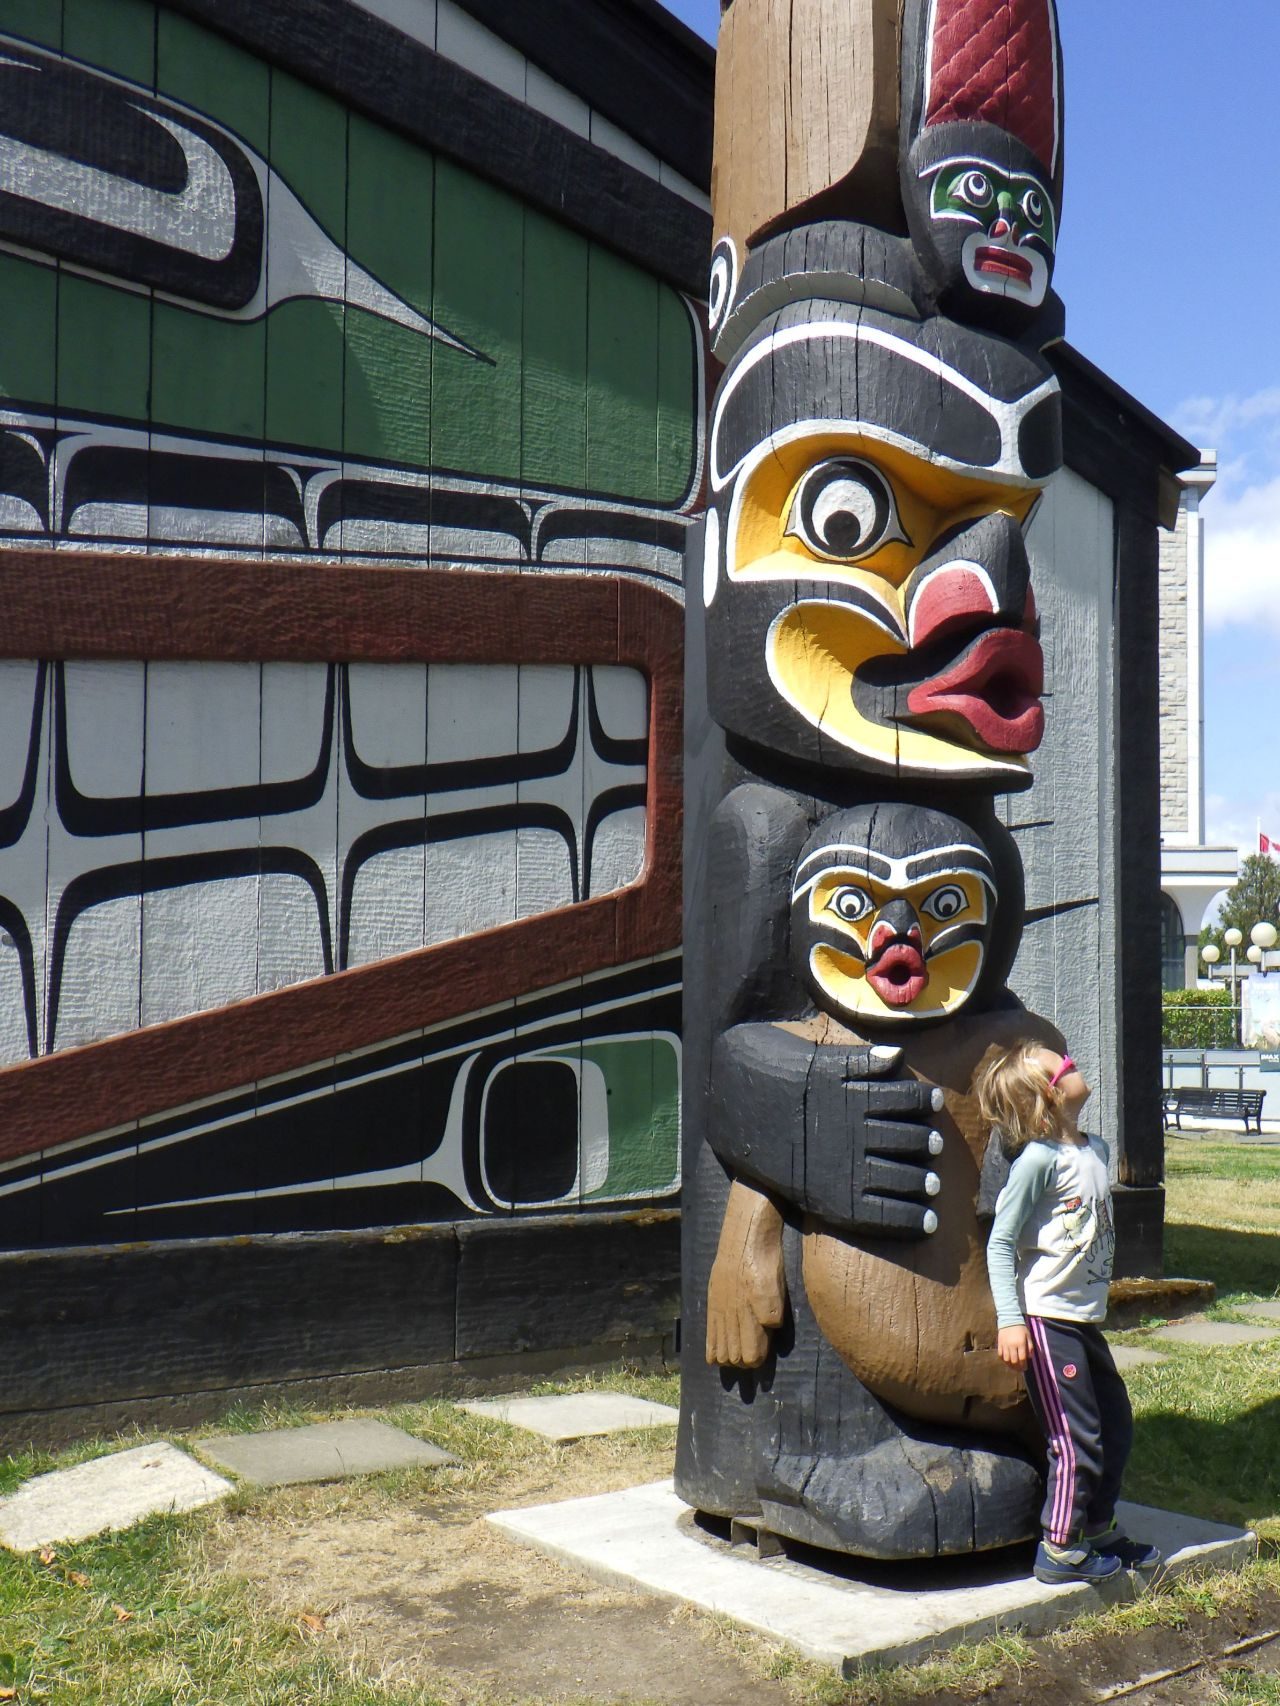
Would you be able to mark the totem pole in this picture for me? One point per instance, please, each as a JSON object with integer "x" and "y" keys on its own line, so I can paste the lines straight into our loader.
{"x": 864, "y": 682}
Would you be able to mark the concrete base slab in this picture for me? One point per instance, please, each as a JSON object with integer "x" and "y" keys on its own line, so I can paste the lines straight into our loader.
{"x": 1260, "y": 1311}
{"x": 327, "y": 1451}
{"x": 107, "y": 1493}
{"x": 576, "y": 1415}
{"x": 1215, "y": 1333}
{"x": 1133, "y": 1356}
{"x": 844, "y": 1612}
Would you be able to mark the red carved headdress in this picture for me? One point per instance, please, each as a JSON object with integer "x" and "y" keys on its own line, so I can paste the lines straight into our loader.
{"x": 996, "y": 62}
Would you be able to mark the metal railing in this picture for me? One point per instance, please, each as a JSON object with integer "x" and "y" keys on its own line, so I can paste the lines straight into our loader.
{"x": 1213, "y": 1075}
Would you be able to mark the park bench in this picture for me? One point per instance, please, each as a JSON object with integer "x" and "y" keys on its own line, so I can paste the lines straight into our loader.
{"x": 1243, "y": 1105}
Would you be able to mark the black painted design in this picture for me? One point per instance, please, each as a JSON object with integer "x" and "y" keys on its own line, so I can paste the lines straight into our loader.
{"x": 120, "y": 182}
{"x": 420, "y": 1130}
{"x": 184, "y": 491}
{"x": 151, "y": 842}
{"x": 102, "y": 176}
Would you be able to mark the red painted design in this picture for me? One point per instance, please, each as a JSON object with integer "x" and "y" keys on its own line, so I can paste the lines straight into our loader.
{"x": 1069, "y": 1371}
{"x": 62, "y": 605}
{"x": 947, "y": 600}
{"x": 995, "y": 62}
{"x": 995, "y": 686}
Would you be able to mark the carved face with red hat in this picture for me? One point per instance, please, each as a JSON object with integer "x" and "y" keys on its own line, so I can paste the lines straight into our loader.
{"x": 981, "y": 153}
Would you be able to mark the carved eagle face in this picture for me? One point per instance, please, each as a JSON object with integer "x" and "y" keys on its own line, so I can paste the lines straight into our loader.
{"x": 890, "y": 938}
{"x": 868, "y": 583}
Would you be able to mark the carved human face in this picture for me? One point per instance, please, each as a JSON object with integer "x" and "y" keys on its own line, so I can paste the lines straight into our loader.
{"x": 997, "y": 227}
{"x": 981, "y": 157}
{"x": 870, "y": 588}
{"x": 888, "y": 939}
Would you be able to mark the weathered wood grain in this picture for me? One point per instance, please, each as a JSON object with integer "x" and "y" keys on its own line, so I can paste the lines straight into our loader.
{"x": 187, "y": 1317}
{"x": 806, "y": 116}
{"x": 116, "y": 605}
{"x": 537, "y": 1283}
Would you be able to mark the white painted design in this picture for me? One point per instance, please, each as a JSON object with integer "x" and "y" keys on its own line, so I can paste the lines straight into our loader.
{"x": 199, "y": 219}
{"x": 1007, "y": 418}
{"x": 711, "y": 557}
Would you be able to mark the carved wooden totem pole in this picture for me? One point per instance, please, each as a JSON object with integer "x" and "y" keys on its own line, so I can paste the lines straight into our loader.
{"x": 865, "y": 679}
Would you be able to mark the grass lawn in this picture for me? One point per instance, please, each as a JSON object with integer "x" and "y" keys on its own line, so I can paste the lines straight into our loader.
{"x": 157, "y": 1618}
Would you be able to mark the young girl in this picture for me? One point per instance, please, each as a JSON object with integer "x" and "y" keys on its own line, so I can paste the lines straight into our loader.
{"x": 1049, "y": 1259}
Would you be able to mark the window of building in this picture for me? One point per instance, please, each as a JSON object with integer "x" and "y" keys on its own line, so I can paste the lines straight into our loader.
{"x": 1173, "y": 942}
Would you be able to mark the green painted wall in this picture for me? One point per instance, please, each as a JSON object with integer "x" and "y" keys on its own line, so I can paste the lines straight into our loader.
{"x": 591, "y": 378}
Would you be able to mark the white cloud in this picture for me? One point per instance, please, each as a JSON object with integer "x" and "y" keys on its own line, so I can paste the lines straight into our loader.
{"x": 1242, "y": 513}
{"x": 1234, "y": 822}
{"x": 1242, "y": 557}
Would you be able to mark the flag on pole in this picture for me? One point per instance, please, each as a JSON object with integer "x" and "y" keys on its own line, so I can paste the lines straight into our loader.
{"x": 1264, "y": 843}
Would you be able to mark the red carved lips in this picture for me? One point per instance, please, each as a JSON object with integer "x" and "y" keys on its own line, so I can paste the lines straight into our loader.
{"x": 995, "y": 686}
{"x": 898, "y": 974}
{"x": 1007, "y": 262}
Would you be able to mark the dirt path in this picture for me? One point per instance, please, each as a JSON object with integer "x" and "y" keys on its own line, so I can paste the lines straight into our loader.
{"x": 411, "y": 1584}
{"x": 424, "y": 1590}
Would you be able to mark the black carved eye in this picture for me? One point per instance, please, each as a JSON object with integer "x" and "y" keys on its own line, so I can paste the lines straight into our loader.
{"x": 1033, "y": 207}
{"x": 844, "y": 509}
{"x": 946, "y": 903}
{"x": 850, "y": 904}
{"x": 975, "y": 188}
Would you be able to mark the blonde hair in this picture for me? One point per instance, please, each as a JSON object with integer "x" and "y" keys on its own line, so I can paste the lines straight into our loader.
{"x": 1015, "y": 1097}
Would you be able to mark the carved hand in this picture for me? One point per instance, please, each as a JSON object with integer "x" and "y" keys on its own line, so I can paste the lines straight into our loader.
{"x": 746, "y": 1293}
{"x": 829, "y": 1128}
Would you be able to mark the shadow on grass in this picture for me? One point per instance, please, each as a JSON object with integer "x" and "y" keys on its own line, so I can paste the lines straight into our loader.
{"x": 1226, "y": 1471}
{"x": 1234, "y": 1261}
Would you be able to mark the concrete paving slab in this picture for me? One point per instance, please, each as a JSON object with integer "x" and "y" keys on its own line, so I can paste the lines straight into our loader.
{"x": 576, "y": 1415}
{"x": 1215, "y": 1333}
{"x": 326, "y": 1451}
{"x": 1134, "y": 1356}
{"x": 106, "y": 1493}
{"x": 855, "y": 1614}
{"x": 1259, "y": 1311}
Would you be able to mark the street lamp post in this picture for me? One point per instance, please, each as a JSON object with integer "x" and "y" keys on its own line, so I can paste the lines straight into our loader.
{"x": 1233, "y": 939}
{"x": 1262, "y": 938}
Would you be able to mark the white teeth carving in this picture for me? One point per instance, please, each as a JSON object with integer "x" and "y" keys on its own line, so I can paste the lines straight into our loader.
{"x": 935, "y": 1143}
{"x": 932, "y": 1184}
{"x": 937, "y": 1101}
{"x": 930, "y": 1222}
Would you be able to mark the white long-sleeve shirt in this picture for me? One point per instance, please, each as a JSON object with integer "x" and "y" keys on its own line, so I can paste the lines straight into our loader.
{"x": 1053, "y": 1240}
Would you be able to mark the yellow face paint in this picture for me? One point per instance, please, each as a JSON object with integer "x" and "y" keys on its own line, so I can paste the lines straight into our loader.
{"x": 813, "y": 651}
{"x": 769, "y": 541}
{"x": 842, "y": 508}
{"x": 950, "y": 981}
{"x": 851, "y": 903}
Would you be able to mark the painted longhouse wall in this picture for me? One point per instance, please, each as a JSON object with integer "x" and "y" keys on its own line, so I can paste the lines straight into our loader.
{"x": 345, "y": 467}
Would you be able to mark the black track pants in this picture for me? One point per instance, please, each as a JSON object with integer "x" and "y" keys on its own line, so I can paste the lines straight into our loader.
{"x": 1081, "y": 1403}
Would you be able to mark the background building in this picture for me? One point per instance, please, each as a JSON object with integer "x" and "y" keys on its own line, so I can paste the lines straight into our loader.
{"x": 1191, "y": 873}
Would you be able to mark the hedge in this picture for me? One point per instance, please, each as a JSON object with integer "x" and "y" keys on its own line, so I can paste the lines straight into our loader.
{"x": 1199, "y": 1018}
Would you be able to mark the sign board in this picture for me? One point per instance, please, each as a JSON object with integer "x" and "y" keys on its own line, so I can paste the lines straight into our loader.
{"x": 1260, "y": 1013}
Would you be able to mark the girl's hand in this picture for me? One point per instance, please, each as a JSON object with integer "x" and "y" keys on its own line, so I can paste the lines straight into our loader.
{"x": 1014, "y": 1346}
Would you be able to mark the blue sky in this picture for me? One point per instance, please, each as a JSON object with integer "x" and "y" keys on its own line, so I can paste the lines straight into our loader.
{"x": 1170, "y": 268}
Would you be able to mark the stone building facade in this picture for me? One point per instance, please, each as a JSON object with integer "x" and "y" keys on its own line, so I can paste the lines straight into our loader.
{"x": 1191, "y": 873}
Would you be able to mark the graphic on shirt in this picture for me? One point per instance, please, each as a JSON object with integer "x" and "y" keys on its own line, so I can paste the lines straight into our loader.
{"x": 1100, "y": 1255}
{"x": 1078, "y": 1223}
{"x": 1087, "y": 1230}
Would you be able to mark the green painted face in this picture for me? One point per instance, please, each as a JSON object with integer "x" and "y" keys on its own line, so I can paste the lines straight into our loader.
{"x": 1001, "y": 224}
{"x": 976, "y": 190}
